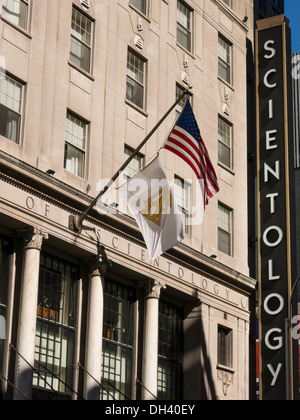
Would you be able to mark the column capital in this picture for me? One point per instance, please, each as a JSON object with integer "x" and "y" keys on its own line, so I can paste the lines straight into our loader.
{"x": 153, "y": 288}
{"x": 96, "y": 267}
{"x": 99, "y": 263}
{"x": 33, "y": 238}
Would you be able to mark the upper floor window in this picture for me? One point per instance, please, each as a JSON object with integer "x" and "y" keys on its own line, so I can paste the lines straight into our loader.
{"x": 16, "y": 11}
{"x": 180, "y": 106}
{"x": 135, "y": 89}
{"x": 183, "y": 198}
{"x": 224, "y": 59}
{"x": 10, "y": 108}
{"x": 141, "y": 5}
{"x": 75, "y": 146}
{"x": 81, "y": 40}
{"x": 225, "y": 219}
{"x": 225, "y": 143}
{"x": 225, "y": 355}
{"x": 184, "y": 25}
{"x": 135, "y": 166}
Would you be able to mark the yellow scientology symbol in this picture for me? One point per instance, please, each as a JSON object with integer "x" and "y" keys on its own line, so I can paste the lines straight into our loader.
{"x": 157, "y": 204}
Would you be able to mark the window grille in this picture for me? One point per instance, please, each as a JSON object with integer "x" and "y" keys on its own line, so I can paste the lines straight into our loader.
{"x": 170, "y": 352}
{"x": 55, "y": 334}
{"x": 5, "y": 250}
{"x": 117, "y": 341}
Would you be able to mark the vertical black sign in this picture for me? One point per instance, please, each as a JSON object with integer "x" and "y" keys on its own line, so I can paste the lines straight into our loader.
{"x": 274, "y": 197}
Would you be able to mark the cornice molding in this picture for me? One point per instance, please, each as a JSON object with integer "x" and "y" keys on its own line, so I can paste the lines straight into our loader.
{"x": 38, "y": 183}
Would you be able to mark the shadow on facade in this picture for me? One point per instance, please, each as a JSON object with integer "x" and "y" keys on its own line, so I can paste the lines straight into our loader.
{"x": 198, "y": 375}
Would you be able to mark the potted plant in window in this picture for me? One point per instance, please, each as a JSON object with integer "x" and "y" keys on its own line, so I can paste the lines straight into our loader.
{"x": 45, "y": 310}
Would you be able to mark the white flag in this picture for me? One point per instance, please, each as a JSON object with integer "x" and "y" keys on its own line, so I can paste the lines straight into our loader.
{"x": 150, "y": 198}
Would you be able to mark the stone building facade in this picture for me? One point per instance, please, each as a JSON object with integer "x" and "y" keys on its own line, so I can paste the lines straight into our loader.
{"x": 86, "y": 315}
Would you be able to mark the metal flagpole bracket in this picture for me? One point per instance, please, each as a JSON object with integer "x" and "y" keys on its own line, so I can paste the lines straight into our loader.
{"x": 75, "y": 221}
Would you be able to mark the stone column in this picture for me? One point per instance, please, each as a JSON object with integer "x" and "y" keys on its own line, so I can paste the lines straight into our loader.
{"x": 150, "y": 351}
{"x": 27, "y": 316}
{"x": 94, "y": 336}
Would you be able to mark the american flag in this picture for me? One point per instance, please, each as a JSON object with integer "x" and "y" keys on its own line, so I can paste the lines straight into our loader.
{"x": 186, "y": 142}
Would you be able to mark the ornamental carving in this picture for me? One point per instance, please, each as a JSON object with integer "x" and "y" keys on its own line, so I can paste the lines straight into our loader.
{"x": 226, "y": 378}
{"x": 98, "y": 265}
{"x": 33, "y": 238}
{"x": 153, "y": 288}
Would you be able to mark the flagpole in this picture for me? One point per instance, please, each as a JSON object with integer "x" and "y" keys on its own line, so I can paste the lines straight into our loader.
{"x": 75, "y": 221}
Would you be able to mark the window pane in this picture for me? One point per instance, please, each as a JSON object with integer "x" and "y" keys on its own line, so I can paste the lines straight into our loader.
{"x": 75, "y": 145}
{"x": 224, "y": 51}
{"x": 225, "y": 347}
{"x": 224, "y": 54}
{"x": 135, "y": 165}
{"x": 184, "y": 15}
{"x": 224, "y": 230}
{"x": 224, "y": 218}
{"x": 135, "y": 68}
{"x": 80, "y": 54}
{"x": 224, "y": 242}
{"x": 183, "y": 192}
{"x": 224, "y": 71}
{"x": 184, "y": 38}
{"x": 135, "y": 79}
{"x": 9, "y": 124}
{"x": 184, "y": 25}
{"x": 81, "y": 40}
{"x": 16, "y": 11}
{"x": 135, "y": 93}
{"x": 81, "y": 27}
{"x": 224, "y": 137}
{"x": 10, "y": 93}
{"x": 10, "y": 108}
{"x": 76, "y": 131}
{"x": 74, "y": 160}
{"x": 225, "y": 155}
{"x": 140, "y": 5}
{"x": 180, "y": 106}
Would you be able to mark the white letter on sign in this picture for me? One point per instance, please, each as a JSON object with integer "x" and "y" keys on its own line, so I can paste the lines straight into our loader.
{"x": 272, "y": 50}
{"x": 279, "y": 339}
{"x": 281, "y": 304}
{"x": 276, "y": 243}
{"x": 266, "y": 81}
{"x": 275, "y": 374}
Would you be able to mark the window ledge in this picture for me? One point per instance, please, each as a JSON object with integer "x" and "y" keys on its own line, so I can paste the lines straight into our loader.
{"x": 190, "y": 53}
{"x": 225, "y": 368}
{"x": 80, "y": 70}
{"x": 226, "y": 83}
{"x": 139, "y": 12}
{"x": 137, "y": 108}
{"x": 17, "y": 27}
{"x": 226, "y": 168}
